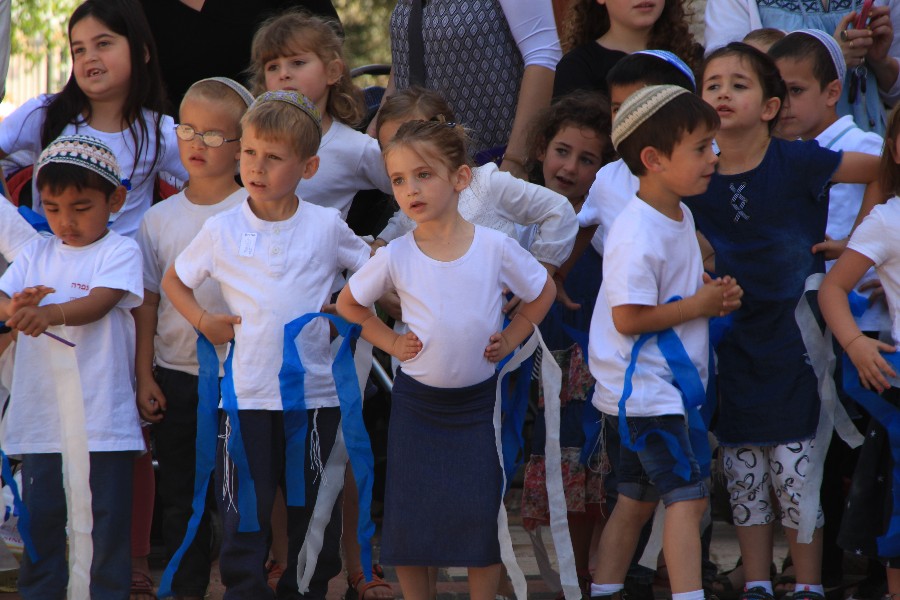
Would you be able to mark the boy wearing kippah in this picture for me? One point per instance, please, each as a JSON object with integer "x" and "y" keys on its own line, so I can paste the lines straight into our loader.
{"x": 85, "y": 279}
{"x": 653, "y": 281}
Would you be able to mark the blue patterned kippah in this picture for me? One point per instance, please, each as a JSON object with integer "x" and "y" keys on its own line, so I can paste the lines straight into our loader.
{"x": 673, "y": 60}
{"x": 83, "y": 151}
{"x": 238, "y": 89}
{"x": 295, "y": 99}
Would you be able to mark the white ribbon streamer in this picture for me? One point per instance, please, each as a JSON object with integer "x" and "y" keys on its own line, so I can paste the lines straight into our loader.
{"x": 832, "y": 415}
{"x": 650, "y": 557}
{"x": 542, "y": 557}
{"x": 75, "y": 463}
{"x": 551, "y": 381}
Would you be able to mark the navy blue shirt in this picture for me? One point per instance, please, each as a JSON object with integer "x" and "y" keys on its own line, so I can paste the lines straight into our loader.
{"x": 762, "y": 225}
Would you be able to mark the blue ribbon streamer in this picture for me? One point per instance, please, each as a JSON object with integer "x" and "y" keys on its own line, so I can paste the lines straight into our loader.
{"x": 205, "y": 451}
{"x": 888, "y": 416}
{"x": 38, "y": 222}
{"x": 859, "y": 304}
{"x": 693, "y": 393}
{"x": 356, "y": 438}
{"x": 514, "y": 406}
{"x": 24, "y": 523}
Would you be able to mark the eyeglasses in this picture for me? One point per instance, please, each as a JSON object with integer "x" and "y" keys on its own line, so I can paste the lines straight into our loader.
{"x": 213, "y": 139}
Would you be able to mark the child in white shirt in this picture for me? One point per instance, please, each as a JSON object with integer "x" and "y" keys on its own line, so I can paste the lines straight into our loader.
{"x": 90, "y": 278}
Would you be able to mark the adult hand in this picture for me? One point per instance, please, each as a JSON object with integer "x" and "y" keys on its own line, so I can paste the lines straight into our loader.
{"x": 855, "y": 43}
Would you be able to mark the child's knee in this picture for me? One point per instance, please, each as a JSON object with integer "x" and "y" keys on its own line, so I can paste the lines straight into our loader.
{"x": 633, "y": 511}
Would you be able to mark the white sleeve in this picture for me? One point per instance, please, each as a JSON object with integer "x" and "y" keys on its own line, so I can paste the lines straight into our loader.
{"x": 21, "y": 130}
{"x": 520, "y": 272}
{"x": 729, "y": 21}
{"x": 371, "y": 166}
{"x": 196, "y": 263}
{"x": 373, "y": 279}
{"x": 397, "y": 226}
{"x": 589, "y": 214}
{"x": 147, "y": 243}
{"x": 120, "y": 269}
{"x": 873, "y": 238}
{"x": 170, "y": 157}
{"x": 15, "y": 232}
{"x": 534, "y": 29}
{"x": 526, "y": 204}
{"x": 352, "y": 251}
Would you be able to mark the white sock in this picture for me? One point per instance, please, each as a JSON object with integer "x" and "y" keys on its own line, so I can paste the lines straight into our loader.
{"x": 606, "y": 589}
{"x": 695, "y": 595}
{"x": 766, "y": 585}
{"x": 808, "y": 587}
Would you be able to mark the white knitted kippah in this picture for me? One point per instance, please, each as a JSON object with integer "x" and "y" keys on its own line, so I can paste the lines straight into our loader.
{"x": 834, "y": 49}
{"x": 238, "y": 89}
{"x": 639, "y": 107}
{"x": 82, "y": 151}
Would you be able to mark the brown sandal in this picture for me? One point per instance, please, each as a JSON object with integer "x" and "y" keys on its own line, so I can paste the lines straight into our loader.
{"x": 141, "y": 586}
{"x": 360, "y": 586}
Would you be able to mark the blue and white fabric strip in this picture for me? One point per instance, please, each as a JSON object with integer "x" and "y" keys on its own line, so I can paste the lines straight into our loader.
{"x": 237, "y": 453}
{"x": 514, "y": 408}
{"x": 205, "y": 452}
{"x": 693, "y": 394}
{"x": 888, "y": 416}
{"x": 354, "y": 434}
{"x": 832, "y": 414}
{"x": 551, "y": 380}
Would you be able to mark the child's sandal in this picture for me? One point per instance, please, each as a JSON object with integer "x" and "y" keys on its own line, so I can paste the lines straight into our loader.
{"x": 360, "y": 586}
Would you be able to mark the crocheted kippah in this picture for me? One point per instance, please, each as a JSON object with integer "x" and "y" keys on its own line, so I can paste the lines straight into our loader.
{"x": 294, "y": 99}
{"x": 834, "y": 49}
{"x": 673, "y": 60}
{"x": 639, "y": 107}
{"x": 240, "y": 90}
{"x": 83, "y": 151}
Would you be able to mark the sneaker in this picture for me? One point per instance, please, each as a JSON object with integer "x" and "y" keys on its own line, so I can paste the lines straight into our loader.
{"x": 806, "y": 595}
{"x": 758, "y": 593}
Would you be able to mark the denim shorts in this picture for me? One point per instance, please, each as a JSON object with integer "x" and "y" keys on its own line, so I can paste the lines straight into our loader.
{"x": 648, "y": 475}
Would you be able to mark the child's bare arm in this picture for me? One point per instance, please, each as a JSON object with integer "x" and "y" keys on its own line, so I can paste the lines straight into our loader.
{"x": 873, "y": 197}
{"x": 374, "y": 330}
{"x": 150, "y": 399}
{"x": 218, "y": 328}
{"x": 34, "y": 320}
{"x": 582, "y": 241}
{"x": 863, "y": 351}
{"x": 857, "y": 167}
{"x": 531, "y": 313}
{"x": 30, "y": 296}
{"x": 716, "y": 298}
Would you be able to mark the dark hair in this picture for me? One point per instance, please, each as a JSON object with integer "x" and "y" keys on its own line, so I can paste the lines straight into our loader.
{"x": 588, "y": 20}
{"x": 665, "y": 129}
{"x": 649, "y": 70}
{"x": 889, "y": 173}
{"x": 294, "y": 31}
{"x": 799, "y": 46}
{"x": 446, "y": 141}
{"x": 57, "y": 177}
{"x": 412, "y": 102}
{"x": 145, "y": 90}
{"x": 584, "y": 110}
{"x": 762, "y": 66}
{"x": 764, "y": 36}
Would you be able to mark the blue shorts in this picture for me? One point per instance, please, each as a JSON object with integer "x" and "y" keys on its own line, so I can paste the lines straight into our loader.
{"x": 648, "y": 475}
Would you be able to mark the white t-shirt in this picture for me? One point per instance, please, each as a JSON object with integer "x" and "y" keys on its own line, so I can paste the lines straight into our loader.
{"x": 500, "y": 201}
{"x": 453, "y": 307}
{"x": 104, "y": 348}
{"x": 349, "y": 162}
{"x": 22, "y": 131}
{"x": 613, "y": 188}
{"x": 649, "y": 259}
{"x": 15, "y": 232}
{"x": 876, "y": 238}
{"x": 844, "y": 200}
{"x": 270, "y": 273}
{"x": 166, "y": 230}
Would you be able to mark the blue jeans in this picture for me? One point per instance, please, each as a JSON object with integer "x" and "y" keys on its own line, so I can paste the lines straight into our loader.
{"x": 111, "y": 479}
{"x": 647, "y": 476}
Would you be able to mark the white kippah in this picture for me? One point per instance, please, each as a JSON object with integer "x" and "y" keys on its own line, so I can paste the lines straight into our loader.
{"x": 82, "y": 151}
{"x": 639, "y": 107}
{"x": 834, "y": 49}
{"x": 238, "y": 89}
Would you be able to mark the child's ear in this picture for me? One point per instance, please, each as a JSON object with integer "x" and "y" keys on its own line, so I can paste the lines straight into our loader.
{"x": 651, "y": 158}
{"x": 117, "y": 199}
{"x": 771, "y": 108}
{"x": 334, "y": 71}
{"x": 833, "y": 92}
{"x": 462, "y": 178}
{"x": 541, "y": 155}
{"x": 311, "y": 166}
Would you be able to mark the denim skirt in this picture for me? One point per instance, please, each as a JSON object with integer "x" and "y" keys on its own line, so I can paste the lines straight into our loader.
{"x": 444, "y": 479}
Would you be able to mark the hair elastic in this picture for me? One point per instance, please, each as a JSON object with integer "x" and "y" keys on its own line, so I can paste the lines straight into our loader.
{"x": 294, "y": 99}
{"x": 82, "y": 151}
{"x": 834, "y": 50}
{"x": 640, "y": 106}
{"x": 673, "y": 60}
{"x": 238, "y": 89}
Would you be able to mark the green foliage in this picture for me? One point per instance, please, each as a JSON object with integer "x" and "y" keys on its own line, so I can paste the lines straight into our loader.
{"x": 366, "y": 30}
{"x": 39, "y": 26}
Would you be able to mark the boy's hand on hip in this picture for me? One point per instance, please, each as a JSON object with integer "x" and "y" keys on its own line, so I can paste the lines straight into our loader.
{"x": 219, "y": 328}
{"x": 497, "y": 348}
{"x": 406, "y": 346}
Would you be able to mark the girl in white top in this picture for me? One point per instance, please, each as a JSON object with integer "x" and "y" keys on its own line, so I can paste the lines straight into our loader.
{"x": 450, "y": 275}
{"x": 114, "y": 94}
{"x": 300, "y": 52}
